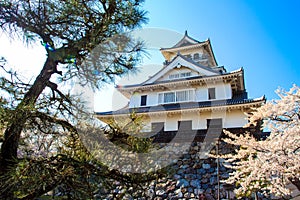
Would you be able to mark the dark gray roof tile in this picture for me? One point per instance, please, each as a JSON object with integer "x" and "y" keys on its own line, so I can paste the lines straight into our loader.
{"x": 180, "y": 106}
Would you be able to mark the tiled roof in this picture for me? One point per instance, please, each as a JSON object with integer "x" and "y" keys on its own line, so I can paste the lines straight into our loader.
{"x": 185, "y": 41}
{"x": 178, "y": 80}
{"x": 185, "y": 59}
{"x": 182, "y": 106}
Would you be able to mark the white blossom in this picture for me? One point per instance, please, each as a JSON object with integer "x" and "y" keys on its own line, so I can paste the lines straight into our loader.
{"x": 269, "y": 165}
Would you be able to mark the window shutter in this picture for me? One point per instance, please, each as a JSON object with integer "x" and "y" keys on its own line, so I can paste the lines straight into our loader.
{"x": 211, "y": 93}
{"x": 143, "y": 100}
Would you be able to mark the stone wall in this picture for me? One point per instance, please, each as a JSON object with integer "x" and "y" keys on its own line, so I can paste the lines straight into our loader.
{"x": 192, "y": 176}
{"x": 189, "y": 177}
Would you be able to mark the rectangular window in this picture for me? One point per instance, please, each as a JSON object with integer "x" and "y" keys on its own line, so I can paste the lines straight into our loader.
{"x": 185, "y": 125}
{"x": 176, "y": 96}
{"x": 185, "y": 74}
{"x": 211, "y": 93}
{"x": 186, "y": 95}
{"x": 173, "y": 76}
{"x": 181, "y": 96}
{"x": 143, "y": 100}
{"x": 214, "y": 123}
{"x": 169, "y": 97}
{"x": 181, "y": 75}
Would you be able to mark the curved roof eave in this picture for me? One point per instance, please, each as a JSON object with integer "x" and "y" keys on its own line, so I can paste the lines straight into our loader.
{"x": 189, "y": 106}
{"x": 173, "y": 49}
{"x": 212, "y": 52}
{"x": 220, "y": 76}
{"x": 186, "y": 38}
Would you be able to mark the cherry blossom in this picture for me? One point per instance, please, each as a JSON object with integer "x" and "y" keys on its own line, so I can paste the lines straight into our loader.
{"x": 270, "y": 165}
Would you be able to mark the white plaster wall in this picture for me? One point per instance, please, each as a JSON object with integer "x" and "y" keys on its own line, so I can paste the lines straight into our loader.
{"x": 172, "y": 123}
{"x": 229, "y": 119}
{"x": 232, "y": 119}
{"x": 195, "y": 117}
{"x": 152, "y": 99}
{"x": 201, "y": 94}
{"x": 135, "y": 100}
{"x": 211, "y": 115}
{"x": 223, "y": 91}
{"x": 158, "y": 118}
{"x": 235, "y": 118}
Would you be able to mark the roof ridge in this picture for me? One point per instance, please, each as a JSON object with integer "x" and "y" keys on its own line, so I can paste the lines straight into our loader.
{"x": 188, "y": 40}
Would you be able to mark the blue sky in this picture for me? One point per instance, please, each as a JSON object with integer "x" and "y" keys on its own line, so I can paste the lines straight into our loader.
{"x": 260, "y": 36}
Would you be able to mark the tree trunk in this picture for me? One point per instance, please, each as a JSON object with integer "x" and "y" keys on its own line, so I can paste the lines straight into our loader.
{"x": 12, "y": 134}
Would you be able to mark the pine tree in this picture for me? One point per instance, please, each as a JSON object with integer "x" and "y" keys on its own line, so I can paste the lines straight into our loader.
{"x": 86, "y": 40}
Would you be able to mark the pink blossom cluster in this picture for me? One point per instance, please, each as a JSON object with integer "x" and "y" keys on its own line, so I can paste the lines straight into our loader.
{"x": 272, "y": 164}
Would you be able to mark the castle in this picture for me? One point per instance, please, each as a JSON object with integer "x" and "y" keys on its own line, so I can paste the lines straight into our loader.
{"x": 191, "y": 93}
{"x": 190, "y": 100}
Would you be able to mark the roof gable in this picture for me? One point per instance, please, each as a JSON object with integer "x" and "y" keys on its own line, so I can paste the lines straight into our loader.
{"x": 181, "y": 62}
{"x": 185, "y": 41}
{"x": 188, "y": 45}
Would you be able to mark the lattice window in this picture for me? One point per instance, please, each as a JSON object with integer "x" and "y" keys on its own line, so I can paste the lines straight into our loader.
{"x": 180, "y": 75}
{"x": 176, "y": 96}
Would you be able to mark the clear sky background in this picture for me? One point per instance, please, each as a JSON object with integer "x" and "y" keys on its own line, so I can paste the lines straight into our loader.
{"x": 262, "y": 36}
